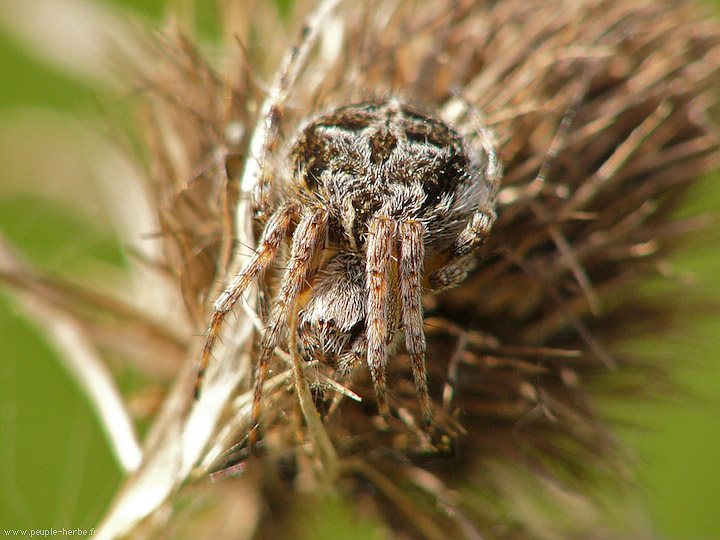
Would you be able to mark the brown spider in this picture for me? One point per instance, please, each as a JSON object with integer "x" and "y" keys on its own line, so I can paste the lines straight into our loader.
{"x": 382, "y": 202}
{"x": 407, "y": 202}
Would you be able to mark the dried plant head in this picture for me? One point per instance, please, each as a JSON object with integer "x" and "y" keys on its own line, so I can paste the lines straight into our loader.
{"x": 603, "y": 116}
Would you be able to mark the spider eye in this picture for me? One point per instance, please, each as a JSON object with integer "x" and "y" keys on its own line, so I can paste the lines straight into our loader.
{"x": 431, "y": 198}
{"x": 327, "y": 324}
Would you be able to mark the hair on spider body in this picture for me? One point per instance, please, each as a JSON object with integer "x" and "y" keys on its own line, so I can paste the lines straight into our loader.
{"x": 382, "y": 202}
{"x": 385, "y": 158}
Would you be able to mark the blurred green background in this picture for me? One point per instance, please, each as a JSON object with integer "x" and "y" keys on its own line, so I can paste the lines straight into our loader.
{"x": 55, "y": 467}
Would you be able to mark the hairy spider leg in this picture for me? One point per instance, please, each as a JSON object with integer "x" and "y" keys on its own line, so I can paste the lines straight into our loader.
{"x": 412, "y": 254}
{"x": 273, "y": 236}
{"x": 463, "y": 249}
{"x": 479, "y": 224}
{"x": 378, "y": 257}
{"x": 266, "y": 134}
{"x": 308, "y": 241}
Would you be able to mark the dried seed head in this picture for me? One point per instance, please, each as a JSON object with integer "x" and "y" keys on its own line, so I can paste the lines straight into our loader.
{"x": 601, "y": 111}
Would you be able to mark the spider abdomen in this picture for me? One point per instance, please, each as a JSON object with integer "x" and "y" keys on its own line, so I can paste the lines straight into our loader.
{"x": 385, "y": 159}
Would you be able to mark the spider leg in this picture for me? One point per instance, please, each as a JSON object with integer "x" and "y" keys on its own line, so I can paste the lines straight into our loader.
{"x": 471, "y": 238}
{"x": 275, "y": 233}
{"x": 308, "y": 241}
{"x": 463, "y": 249}
{"x": 412, "y": 254}
{"x": 378, "y": 258}
{"x": 266, "y": 134}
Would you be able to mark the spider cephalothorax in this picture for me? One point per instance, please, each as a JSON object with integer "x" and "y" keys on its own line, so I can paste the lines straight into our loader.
{"x": 382, "y": 201}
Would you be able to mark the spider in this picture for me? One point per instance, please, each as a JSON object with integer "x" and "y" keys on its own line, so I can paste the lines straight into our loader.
{"x": 383, "y": 202}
